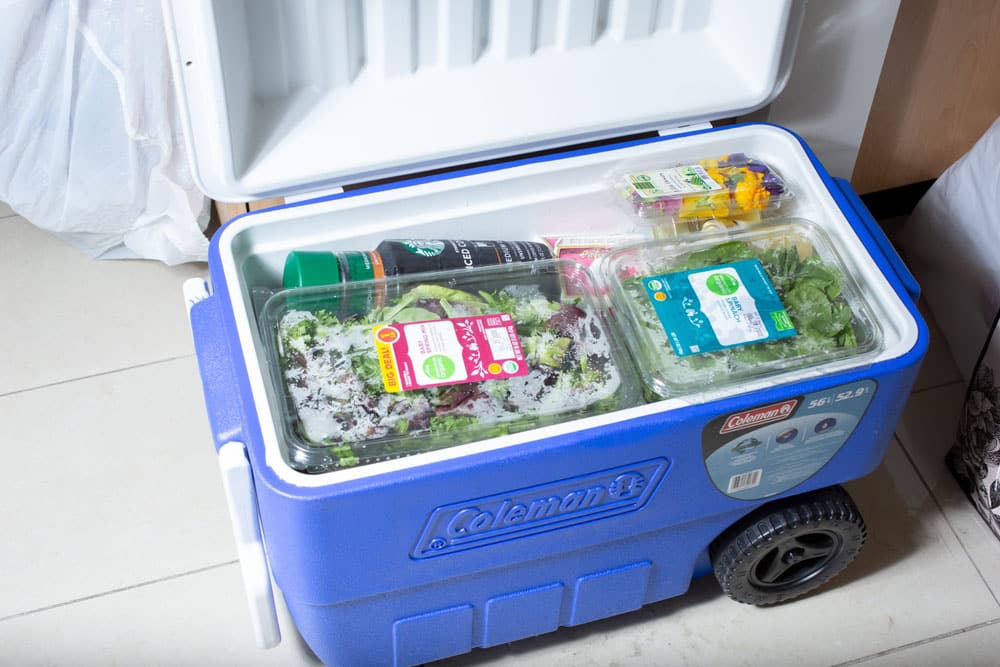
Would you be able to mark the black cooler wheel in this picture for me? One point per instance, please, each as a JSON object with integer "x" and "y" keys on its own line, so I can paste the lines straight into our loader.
{"x": 788, "y": 547}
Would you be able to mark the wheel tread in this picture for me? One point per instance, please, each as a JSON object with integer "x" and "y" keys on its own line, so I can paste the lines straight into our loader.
{"x": 745, "y": 541}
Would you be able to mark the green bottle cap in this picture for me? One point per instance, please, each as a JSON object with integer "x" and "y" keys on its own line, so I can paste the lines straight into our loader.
{"x": 307, "y": 268}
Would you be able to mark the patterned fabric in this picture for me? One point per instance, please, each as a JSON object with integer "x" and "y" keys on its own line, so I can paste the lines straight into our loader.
{"x": 975, "y": 457}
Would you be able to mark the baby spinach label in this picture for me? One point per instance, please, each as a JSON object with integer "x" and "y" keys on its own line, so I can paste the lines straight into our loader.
{"x": 720, "y": 307}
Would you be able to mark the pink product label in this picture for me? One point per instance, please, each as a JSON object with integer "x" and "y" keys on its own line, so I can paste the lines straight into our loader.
{"x": 457, "y": 350}
{"x": 585, "y": 255}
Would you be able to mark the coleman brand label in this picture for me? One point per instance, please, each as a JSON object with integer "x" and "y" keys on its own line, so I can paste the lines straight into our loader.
{"x": 767, "y": 450}
{"x": 759, "y": 416}
{"x": 522, "y": 512}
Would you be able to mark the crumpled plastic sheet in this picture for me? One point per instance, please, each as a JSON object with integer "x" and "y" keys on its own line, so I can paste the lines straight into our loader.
{"x": 91, "y": 143}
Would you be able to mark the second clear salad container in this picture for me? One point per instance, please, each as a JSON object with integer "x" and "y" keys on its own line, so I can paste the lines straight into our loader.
{"x": 443, "y": 359}
{"x": 716, "y": 310}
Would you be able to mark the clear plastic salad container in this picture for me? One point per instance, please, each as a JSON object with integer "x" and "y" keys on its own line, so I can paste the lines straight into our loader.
{"x": 710, "y": 311}
{"x": 730, "y": 186}
{"x": 446, "y": 358}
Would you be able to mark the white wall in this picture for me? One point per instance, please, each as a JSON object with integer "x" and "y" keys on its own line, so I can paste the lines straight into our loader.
{"x": 832, "y": 84}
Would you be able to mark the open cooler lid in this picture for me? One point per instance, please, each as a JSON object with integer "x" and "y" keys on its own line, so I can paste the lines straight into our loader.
{"x": 296, "y": 97}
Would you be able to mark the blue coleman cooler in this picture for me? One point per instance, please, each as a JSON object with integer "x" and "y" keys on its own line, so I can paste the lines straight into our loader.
{"x": 427, "y": 463}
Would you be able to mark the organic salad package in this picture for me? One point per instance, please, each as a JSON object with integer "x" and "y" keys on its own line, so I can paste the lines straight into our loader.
{"x": 711, "y": 311}
{"x": 729, "y": 186}
{"x": 444, "y": 359}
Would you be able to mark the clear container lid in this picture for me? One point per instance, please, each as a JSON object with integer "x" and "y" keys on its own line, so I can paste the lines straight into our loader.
{"x": 376, "y": 370}
{"x": 730, "y": 186}
{"x": 713, "y": 310}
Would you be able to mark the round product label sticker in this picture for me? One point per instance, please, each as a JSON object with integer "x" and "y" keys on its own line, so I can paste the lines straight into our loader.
{"x": 722, "y": 284}
{"x": 438, "y": 367}
{"x": 387, "y": 335}
{"x": 425, "y": 248}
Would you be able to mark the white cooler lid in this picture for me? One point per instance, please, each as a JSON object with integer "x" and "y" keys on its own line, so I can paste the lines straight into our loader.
{"x": 305, "y": 95}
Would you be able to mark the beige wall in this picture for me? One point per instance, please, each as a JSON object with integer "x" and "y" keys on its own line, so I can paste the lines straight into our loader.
{"x": 938, "y": 92}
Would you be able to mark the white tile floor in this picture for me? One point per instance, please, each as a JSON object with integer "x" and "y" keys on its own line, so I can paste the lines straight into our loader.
{"x": 118, "y": 549}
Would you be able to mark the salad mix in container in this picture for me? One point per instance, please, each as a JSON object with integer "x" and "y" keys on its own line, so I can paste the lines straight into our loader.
{"x": 448, "y": 358}
{"x": 714, "y": 310}
{"x": 735, "y": 186}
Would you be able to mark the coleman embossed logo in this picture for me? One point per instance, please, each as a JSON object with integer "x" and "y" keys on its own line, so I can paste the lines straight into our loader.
{"x": 758, "y": 416}
{"x": 538, "y": 509}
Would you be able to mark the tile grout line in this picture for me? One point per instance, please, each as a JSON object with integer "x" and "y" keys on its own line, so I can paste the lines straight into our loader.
{"x": 947, "y": 520}
{"x": 95, "y": 375}
{"x": 919, "y": 642}
{"x": 114, "y": 591}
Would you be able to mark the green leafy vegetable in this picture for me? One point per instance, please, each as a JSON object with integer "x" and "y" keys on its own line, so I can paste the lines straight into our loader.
{"x": 415, "y": 315}
{"x": 810, "y": 289}
{"x": 430, "y": 292}
{"x": 499, "y": 302}
{"x": 326, "y": 319}
{"x": 345, "y": 456}
{"x": 546, "y": 349}
{"x": 342, "y": 411}
{"x": 724, "y": 253}
{"x": 303, "y": 330}
{"x": 448, "y": 423}
{"x": 367, "y": 369}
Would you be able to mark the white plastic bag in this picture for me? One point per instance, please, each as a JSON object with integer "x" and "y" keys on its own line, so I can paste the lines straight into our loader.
{"x": 951, "y": 239}
{"x": 91, "y": 145}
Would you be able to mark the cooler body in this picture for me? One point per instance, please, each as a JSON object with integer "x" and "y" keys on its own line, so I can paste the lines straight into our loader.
{"x": 420, "y": 558}
{"x": 503, "y": 546}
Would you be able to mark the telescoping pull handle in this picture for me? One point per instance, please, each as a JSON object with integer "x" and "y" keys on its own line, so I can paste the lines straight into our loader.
{"x": 221, "y": 399}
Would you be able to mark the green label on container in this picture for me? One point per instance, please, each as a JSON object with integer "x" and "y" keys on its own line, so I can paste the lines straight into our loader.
{"x": 722, "y": 284}
{"x": 359, "y": 266}
{"x": 723, "y": 306}
{"x": 676, "y": 181}
{"x": 781, "y": 320}
{"x": 438, "y": 367}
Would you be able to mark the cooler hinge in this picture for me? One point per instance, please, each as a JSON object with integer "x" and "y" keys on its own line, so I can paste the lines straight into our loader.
{"x": 303, "y": 196}
{"x": 681, "y": 129}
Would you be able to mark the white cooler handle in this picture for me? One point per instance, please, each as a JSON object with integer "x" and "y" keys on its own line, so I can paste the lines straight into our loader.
{"x": 237, "y": 480}
{"x": 242, "y": 500}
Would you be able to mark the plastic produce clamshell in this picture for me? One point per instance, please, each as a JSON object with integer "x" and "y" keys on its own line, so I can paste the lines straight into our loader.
{"x": 732, "y": 185}
{"x": 489, "y": 351}
{"x": 820, "y": 314}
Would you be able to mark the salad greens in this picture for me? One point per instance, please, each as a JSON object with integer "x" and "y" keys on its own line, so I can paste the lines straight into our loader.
{"x": 341, "y": 410}
{"x": 810, "y": 289}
